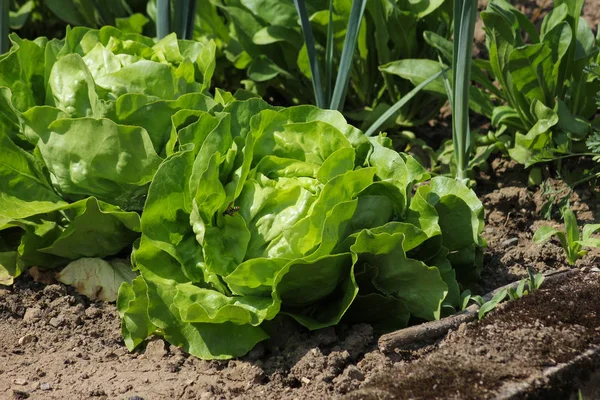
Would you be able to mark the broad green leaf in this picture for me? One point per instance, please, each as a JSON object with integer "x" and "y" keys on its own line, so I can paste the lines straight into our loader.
{"x": 275, "y": 33}
{"x": 417, "y": 71}
{"x": 317, "y": 293}
{"x": 538, "y": 136}
{"x": 203, "y": 340}
{"x": 80, "y": 13}
{"x": 493, "y": 303}
{"x": 555, "y": 17}
{"x": 421, "y": 287}
{"x": 19, "y": 17}
{"x": 275, "y": 12}
{"x": 24, "y": 189}
{"x": 72, "y": 88}
{"x": 132, "y": 24}
{"x": 97, "y": 157}
{"x": 95, "y": 229}
{"x": 544, "y": 233}
{"x": 22, "y": 71}
{"x": 571, "y": 227}
{"x": 531, "y": 69}
{"x": 263, "y": 69}
{"x": 203, "y": 305}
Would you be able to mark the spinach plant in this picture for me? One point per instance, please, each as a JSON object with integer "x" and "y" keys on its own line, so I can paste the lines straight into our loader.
{"x": 49, "y": 18}
{"x": 572, "y": 241}
{"x": 547, "y": 92}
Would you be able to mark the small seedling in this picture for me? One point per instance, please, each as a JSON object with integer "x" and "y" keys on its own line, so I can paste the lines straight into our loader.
{"x": 533, "y": 282}
{"x": 570, "y": 239}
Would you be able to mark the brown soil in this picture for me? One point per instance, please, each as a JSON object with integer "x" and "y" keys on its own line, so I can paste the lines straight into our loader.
{"x": 520, "y": 340}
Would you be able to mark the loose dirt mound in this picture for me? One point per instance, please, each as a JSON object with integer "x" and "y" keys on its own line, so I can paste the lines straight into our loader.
{"x": 518, "y": 342}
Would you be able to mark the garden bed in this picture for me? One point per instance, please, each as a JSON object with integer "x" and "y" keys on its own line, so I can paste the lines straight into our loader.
{"x": 56, "y": 344}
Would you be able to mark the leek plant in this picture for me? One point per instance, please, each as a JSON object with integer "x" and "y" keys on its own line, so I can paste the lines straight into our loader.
{"x": 331, "y": 99}
{"x": 465, "y": 14}
{"x": 183, "y": 18}
{"x": 4, "y": 25}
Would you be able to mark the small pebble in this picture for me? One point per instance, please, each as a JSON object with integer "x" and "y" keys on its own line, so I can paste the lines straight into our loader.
{"x": 45, "y": 386}
{"x": 305, "y": 380}
{"x": 56, "y": 321}
{"x": 509, "y": 242}
{"x": 20, "y": 381}
{"x": 28, "y": 338}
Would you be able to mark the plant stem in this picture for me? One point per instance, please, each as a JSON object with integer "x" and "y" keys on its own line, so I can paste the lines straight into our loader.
{"x": 465, "y": 14}
{"x": 163, "y": 18}
{"x": 343, "y": 77}
{"x": 312, "y": 53}
{"x": 191, "y": 20}
{"x": 4, "y": 25}
{"x": 329, "y": 56}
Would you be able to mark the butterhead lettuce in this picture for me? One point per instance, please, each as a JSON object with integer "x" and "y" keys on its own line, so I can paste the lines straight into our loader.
{"x": 85, "y": 123}
{"x": 264, "y": 211}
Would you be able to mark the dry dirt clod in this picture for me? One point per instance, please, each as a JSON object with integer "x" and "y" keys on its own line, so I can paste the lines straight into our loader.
{"x": 32, "y": 314}
{"x": 93, "y": 312}
{"x": 20, "y": 381}
{"x": 156, "y": 348}
{"x": 57, "y": 321}
{"x": 354, "y": 373}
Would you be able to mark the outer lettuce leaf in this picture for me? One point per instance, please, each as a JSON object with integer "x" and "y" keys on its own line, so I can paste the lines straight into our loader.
{"x": 95, "y": 278}
{"x": 461, "y": 222}
{"x": 87, "y": 228}
{"x": 87, "y": 156}
{"x": 24, "y": 189}
{"x": 9, "y": 268}
{"x": 204, "y": 340}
